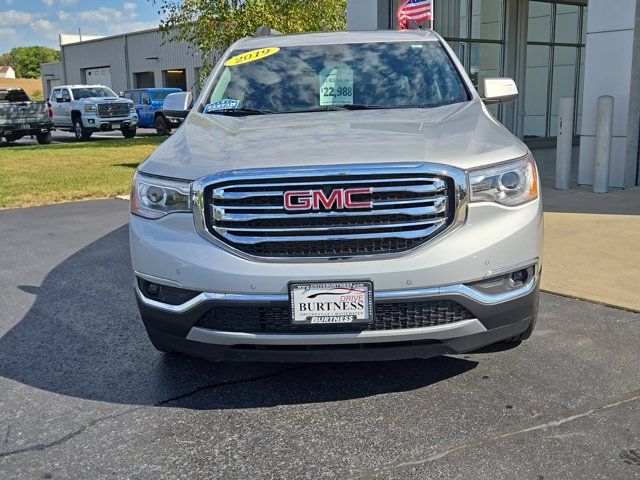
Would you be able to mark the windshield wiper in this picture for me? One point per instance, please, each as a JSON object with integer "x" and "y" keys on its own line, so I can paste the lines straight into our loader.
{"x": 239, "y": 112}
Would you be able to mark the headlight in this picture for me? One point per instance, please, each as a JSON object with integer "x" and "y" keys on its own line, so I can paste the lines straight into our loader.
{"x": 90, "y": 108}
{"x": 156, "y": 197}
{"x": 132, "y": 107}
{"x": 511, "y": 184}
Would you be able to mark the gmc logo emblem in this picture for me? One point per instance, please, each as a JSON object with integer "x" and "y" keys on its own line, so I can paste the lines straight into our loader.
{"x": 317, "y": 200}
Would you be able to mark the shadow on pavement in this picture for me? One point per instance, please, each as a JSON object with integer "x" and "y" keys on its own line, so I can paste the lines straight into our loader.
{"x": 83, "y": 338}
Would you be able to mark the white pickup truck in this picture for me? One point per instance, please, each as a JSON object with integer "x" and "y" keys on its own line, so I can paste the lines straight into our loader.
{"x": 84, "y": 109}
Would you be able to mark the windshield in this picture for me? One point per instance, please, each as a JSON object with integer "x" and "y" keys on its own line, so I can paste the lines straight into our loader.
{"x": 317, "y": 77}
{"x": 91, "y": 92}
{"x": 162, "y": 94}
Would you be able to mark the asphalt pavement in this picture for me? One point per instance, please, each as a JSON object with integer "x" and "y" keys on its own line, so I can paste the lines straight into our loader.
{"x": 83, "y": 395}
{"x": 59, "y": 136}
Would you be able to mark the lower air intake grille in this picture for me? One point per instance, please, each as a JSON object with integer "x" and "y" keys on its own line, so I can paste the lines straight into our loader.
{"x": 387, "y": 316}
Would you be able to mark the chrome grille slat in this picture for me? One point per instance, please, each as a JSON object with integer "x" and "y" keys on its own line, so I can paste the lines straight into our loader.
{"x": 411, "y": 203}
{"x": 220, "y": 213}
{"x": 427, "y": 188}
{"x": 438, "y": 201}
{"x": 435, "y": 185}
{"x": 223, "y": 230}
{"x": 247, "y": 240}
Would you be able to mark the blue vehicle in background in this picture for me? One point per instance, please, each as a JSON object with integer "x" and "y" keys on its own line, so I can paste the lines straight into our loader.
{"x": 148, "y": 101}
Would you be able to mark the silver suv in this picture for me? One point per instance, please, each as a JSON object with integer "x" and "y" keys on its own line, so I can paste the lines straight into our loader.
{"x": 338, "y": 197}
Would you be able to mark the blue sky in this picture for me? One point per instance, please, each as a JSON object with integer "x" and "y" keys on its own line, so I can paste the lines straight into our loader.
{"x": 38, "y": 22}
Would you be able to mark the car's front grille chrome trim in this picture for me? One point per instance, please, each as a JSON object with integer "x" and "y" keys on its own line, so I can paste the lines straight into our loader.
{"x": 411, "y": 204}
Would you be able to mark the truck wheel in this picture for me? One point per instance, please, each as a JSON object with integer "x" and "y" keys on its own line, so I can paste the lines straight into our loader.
{"x": 44, "y": 138}
{"x": 128, "y": 132}
{"x": 80, "y": 132}
{"x": 11, "y": 138}
{"x": 162, "y": 126}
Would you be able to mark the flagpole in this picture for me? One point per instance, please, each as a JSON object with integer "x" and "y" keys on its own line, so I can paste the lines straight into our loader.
{"x": 433, "y": 11}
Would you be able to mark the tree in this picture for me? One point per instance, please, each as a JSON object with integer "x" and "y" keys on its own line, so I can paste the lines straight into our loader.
{"x": 213, "y": 25}
{"x": 5, "y": 59}
{"x": 26, "y": 60}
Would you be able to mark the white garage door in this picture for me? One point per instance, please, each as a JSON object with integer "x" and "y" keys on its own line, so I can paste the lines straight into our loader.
{"x": 99, "y": 76}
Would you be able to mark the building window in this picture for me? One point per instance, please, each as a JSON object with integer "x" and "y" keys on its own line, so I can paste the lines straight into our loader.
{"x": 555, "y": 64}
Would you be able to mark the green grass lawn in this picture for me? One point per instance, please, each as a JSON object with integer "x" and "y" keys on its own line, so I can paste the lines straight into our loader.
{"x": 42, "y": 174}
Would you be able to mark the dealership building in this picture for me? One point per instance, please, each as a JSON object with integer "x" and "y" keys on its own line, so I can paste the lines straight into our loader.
{"x": 581, "y": 49}
{"x": 133, "y": 60}
{"x": 552, "y": 49}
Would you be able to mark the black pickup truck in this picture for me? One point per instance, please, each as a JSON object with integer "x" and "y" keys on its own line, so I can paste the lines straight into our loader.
{"x": 20, "y": 117}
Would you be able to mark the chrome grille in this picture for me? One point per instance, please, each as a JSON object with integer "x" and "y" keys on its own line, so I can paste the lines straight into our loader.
{"x": 410, "y": 204}
{"x": 108, "y": 110}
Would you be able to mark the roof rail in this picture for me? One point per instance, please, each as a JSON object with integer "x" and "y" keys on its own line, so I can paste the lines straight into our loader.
{"x": 265, "y": 31}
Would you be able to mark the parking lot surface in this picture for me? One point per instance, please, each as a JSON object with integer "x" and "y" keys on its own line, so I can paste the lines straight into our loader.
{"x": 84, "y": 395}
{"x": 59, "y": 136}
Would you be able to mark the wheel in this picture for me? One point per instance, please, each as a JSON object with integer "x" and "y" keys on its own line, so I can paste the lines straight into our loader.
{"x": 80, "y": 132}
{"x": 162, "y": 126}
{"x": 10, "y": 138}
{"x": 44, "y": 138}
{"x": 128, "y": 132}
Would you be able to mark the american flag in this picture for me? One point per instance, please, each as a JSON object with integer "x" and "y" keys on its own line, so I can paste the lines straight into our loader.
{"x": 416, "y": 10}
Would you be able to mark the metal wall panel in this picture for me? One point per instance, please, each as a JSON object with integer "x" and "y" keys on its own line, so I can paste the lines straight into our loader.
{"x": 108, "y": 52}
{"x": 126, "y": 55}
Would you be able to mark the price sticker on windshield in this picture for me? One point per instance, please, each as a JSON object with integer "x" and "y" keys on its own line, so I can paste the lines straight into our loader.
{"x": 336, "y": 85}
{"x": 251, "y": 56}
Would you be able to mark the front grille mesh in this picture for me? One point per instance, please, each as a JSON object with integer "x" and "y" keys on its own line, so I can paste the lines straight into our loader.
{"x": 407, "y": 209}
{"x": 108, "y": 110}
{"x": 387, "y": 316}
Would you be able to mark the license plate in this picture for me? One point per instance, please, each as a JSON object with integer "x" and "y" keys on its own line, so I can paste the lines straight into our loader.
{"x": 331, "y": 302}
{"x": 25, "y": 126}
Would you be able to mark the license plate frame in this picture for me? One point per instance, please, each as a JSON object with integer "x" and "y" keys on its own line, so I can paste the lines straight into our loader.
{"x": 311, "y": 293}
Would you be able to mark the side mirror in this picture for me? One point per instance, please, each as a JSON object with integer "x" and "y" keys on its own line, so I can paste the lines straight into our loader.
{"x": 497, "y": 90}
{"x": 121, "y": 94}
{"x": 59, "y": 100}
{"x": 178, "y": 101}
{"x": 145, "y": 101}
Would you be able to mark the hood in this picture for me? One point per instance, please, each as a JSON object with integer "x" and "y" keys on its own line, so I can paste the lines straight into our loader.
{"x": 462, "y": 135}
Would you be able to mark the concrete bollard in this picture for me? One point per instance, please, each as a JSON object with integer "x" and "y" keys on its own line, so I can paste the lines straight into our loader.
{"x": 565, "y": 144}
{"x": 604, "y": 127}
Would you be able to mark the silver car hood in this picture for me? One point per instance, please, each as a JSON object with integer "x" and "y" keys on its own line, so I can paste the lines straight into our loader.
{"x": 462, "y": 135}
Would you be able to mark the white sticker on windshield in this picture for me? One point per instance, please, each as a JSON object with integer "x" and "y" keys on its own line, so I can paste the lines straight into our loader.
{"x": 336, "y": 85}
{"x": 224, "y": 104}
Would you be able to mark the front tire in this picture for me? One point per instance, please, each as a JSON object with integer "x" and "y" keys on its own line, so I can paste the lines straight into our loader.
{"x": 128, "y": 132}
{"x": 162, "y": 126}
{"x": 44, "y": 138}
{"x": 81, "y": 133}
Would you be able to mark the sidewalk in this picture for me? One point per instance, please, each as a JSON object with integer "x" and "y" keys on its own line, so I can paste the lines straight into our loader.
{"x": 592, "y": 244}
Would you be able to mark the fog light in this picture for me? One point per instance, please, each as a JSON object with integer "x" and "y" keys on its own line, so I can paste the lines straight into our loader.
{"x": 153, "y": 289}
{"x": 519, "y": 277}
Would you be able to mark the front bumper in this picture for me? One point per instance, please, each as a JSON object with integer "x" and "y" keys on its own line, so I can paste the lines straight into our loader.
{"x": 95, "y": 122}
{"x": 498, "y": 317}
{"x": 493, "y": 241}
